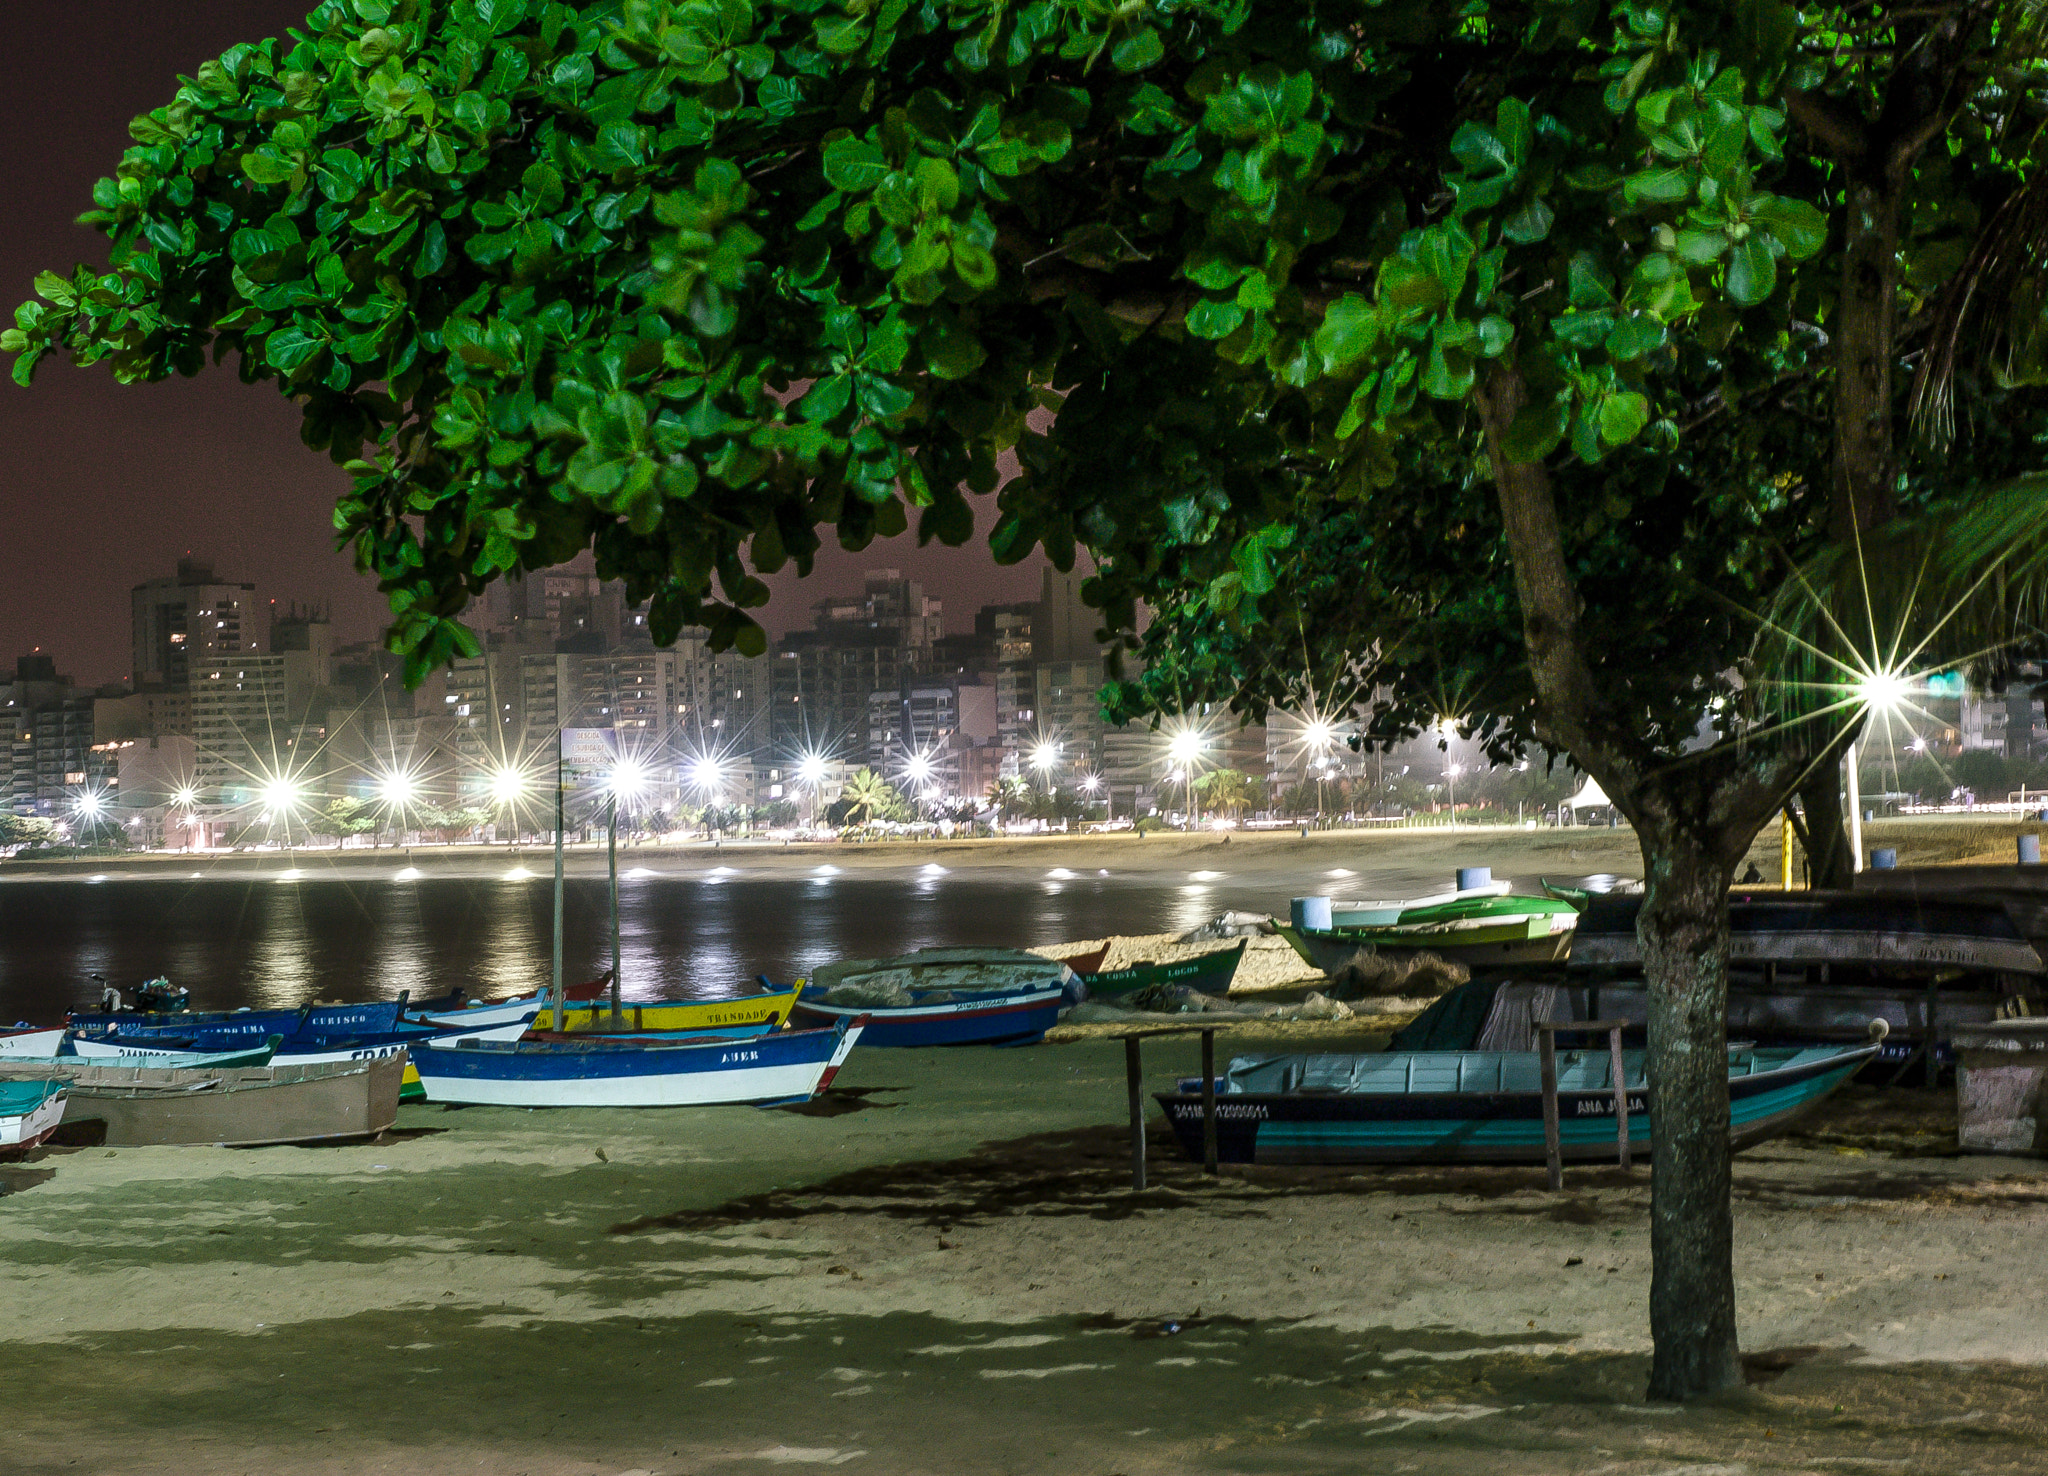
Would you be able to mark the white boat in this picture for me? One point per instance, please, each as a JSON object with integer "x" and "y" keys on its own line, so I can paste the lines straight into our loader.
{"x": 29, "y": 1111}
{"x": 502, "y": 1013}
{"x": 153, "y": 1057}
{"x": 782, "y": 1066}
{"x": 33, "y": 1045}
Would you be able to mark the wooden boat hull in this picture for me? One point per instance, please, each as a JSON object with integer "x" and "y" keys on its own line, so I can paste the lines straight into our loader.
{"x": 126, "y": 1051}
{"x": 253, "y": 1025}
{"x": 31, "y": 1045}
{"x": 784, "y": 1066}
{"x": 503, "y": 1012}
{"x": 145, "y": 1108}
{"x": 771, "y": 1009}
{"x": 984, "y": 971}
{"x": 29, "y": 1112}
{"x": 1210, "y": 973}
{"x": 1483, "y": 1127}
{"x": 1788, "y": 1014}
{"x": 1002, "y": 1019}
{"x": 1909, "y": 932}
{"x": 1522, "y": 943}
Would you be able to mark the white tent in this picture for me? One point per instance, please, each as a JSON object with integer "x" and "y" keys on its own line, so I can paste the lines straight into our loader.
{"x": 1589, "y": 797}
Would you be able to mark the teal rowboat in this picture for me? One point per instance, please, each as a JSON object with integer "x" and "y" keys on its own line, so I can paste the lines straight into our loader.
{"x": 1482, "y": 925}
{"x": 1474, "y": 1106}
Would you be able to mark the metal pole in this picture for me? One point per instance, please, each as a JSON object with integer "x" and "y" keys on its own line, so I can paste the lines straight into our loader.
{"x": 561, "y": 1014}
{"x": 1785, "y": 839}
{"x": 612, "y": 854}
{"x": 1855, "y": 812}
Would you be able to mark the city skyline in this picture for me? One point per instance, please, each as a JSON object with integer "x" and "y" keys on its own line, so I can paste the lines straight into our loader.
{"x": 104, "y": 485}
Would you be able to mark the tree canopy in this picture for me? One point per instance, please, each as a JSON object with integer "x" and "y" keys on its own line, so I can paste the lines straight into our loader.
{"x": 1513, "y": 354}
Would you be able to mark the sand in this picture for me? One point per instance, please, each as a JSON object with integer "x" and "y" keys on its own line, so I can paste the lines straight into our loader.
{"x": 941, "y": 1268}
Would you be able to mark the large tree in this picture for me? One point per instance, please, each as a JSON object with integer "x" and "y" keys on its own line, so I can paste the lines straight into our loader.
{"x": 1597, "y": 309}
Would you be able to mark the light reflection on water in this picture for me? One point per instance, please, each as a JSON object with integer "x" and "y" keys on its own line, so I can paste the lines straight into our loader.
{"x": 271, "y": 943}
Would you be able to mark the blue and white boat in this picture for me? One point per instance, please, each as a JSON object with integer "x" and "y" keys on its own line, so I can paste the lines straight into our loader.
{"x": 943, "y": 1017}
{"x": 779, "y": 1066}
{"x": 252, "y": 1025}
{"x": 1474, "y": 1106}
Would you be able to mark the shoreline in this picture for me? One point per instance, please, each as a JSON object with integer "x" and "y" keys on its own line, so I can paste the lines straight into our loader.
{"x": 1335, "y": 858}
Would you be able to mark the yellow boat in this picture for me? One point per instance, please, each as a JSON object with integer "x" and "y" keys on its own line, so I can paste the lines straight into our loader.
{"x": 771, "y": 1008}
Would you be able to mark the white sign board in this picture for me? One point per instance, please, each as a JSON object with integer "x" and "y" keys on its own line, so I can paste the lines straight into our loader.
{"x": 587, "y": 750}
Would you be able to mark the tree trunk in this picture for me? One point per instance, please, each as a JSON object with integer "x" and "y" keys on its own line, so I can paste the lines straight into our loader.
{"x": 1683, "y": 930}
{"x": 1693, "y": 822}
{"x": 1828, "y": 861}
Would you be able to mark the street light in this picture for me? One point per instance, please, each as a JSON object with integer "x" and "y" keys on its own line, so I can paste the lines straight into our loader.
{"x": 1880, "y": 692}
{"x": 1092, "y": 786}
{"x": 185, "y": 798}
{"x": 1045, "y": 757}
{"x": 397, "y": 789}
{"x": 278, "y": 796}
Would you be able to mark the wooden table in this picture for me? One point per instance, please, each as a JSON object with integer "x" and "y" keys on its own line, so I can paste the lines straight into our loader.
{"x": 1134, "y": 1077}
{"x": 1546, "y": 1044}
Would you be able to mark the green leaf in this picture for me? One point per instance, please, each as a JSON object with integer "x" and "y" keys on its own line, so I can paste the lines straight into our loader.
{"x": 1213, "y": 318}
{"x": 1349, "y": 330}
{"x": 1535, "y": 431}
{"x": 1138, "y": 51}
{"x": 1634, "y": 335}
{"x": 1657, "y": 186}
{"x": 1622, "y": 418}
{"x": 1531, "y": 223}
{"x": 854, "y": 165}
{"x": 1752, "y": 271}
{"x": 1799, "y": 227}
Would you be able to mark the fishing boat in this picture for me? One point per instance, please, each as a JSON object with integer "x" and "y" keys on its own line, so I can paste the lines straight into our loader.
{"x": 168, "y": 1055}
{"x": 309, "y": 1049}
{"x": 942, "y": 1017}
{"x": 29, "y": 1112}
{"x": 770, "y": 1008}
{"x": 457, "y": 1005}
{"x": 1475, "y": 1106}
{"x": 1797, "y": 929}
{"x": 962, "y": 970}
{"x": 1484, "y": 924}
{"x": 346, "y": 1019}
{"x": 1210, "y": 973}
{"x": 30, "y": 1042}
{"x": 780, "y": 1066}
{"x": 245, "y": 1107}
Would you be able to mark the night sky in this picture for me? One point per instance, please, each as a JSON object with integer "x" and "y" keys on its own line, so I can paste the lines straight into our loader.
{"x": 104, "y": 485}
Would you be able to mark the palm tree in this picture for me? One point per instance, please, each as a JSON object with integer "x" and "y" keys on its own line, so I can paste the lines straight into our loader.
{"x": 868, "y": 797}
{"x": 1225, "y": 790}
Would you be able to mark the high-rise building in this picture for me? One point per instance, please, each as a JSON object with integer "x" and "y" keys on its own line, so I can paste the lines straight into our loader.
{"x": 191, "y": 617}
{"x": 261, "y": 718}
{"x": 49, "y": 740}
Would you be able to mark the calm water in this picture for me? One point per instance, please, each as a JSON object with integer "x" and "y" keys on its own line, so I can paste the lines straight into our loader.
{"x": 271, "y": 943}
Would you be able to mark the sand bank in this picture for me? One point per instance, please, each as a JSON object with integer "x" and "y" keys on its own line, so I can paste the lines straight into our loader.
{"x": 941, "y": 1268}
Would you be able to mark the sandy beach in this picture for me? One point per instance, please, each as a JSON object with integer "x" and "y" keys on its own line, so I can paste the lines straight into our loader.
{"x": 941, "y": 1268}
